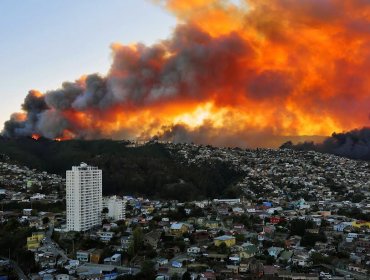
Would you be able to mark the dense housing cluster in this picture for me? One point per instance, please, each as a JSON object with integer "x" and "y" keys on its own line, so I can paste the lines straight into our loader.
{"x": 286, "y": 215}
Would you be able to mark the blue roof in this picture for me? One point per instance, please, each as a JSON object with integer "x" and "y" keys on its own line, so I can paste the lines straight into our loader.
{"x": 177, "y": 226}
{"x": 225, "y": 237}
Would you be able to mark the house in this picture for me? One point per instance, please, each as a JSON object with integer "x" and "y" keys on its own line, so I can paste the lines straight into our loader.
{"x": 33, "y": 242}
{"x": 200, "y": 236}
{"x": 301, "y": 259}
{"x": 243, "y": 267}
{"x": 238, "y": 211}
{"x": 176, "y": 264}
{"x": 341, "y": 226}
{"x": 125, "y": 242}
{"x": 239, "y": 227}
{"x": 275, "y": 251}
{"x": 357, "y": 268}
{"x": 105, "y": 236}
{"x": 178, "y": 229}
{"x": 162, "y": 261}
{"x": 34, "y": 222}
{"x": 152, "y": 238}
{"x": 287, "y": 275}
{"x": 113, "y": 260}
{"x": 95, "y": 256}
{"x": 276, "y": 220}
{"x": 249, "y": 251}
{"x": 286, "y": 256}
{"x": 270, "y": 271}
{"x": 62, "y": 277}
{"x": 227, "y": 239}
{"x": 211, "y": 224}
{"x": 360, "y": 224}
{"x": 27, "y": 212}
{"x": 293, "y": 241}
{"x": 193, "y": 250}
{"x": 83, "y": 256}
{"x": 227, "y": 201}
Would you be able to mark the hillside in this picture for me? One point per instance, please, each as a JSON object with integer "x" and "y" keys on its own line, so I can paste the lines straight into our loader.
{"x": 145, "y": 170}
{"x": 186, "y": 171}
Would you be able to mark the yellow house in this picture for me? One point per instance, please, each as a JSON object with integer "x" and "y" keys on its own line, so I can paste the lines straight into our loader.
{"x": 359, "y": 224}
{"x": 33, "y": 242}
{"x": 227, "y": 239}
{"x": 39, "y": 235}
{"x": 178, "y": 229}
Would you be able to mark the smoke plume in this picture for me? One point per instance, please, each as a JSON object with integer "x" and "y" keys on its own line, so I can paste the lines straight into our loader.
{"x": 231, "y": 75}
{"x": 353, "y": 144}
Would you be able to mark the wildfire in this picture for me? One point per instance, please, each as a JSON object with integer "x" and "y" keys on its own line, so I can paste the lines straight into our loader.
{"x": 35, "y": 137}
{"x": 229, "y": 75}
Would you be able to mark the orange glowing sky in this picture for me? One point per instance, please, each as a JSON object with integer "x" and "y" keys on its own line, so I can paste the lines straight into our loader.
{"x": 239, "y": 75}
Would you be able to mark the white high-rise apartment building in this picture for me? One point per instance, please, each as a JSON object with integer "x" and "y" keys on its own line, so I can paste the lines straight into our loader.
{"x": 116, "y": 207}
{"x": 84, "y": 197}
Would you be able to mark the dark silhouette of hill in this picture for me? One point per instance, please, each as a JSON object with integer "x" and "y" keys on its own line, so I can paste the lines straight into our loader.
{"x": 354, "y": 144}
{"x": 148, "y": 170}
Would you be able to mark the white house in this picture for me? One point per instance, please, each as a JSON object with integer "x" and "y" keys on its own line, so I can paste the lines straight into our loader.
{"x": 193, "y": 250}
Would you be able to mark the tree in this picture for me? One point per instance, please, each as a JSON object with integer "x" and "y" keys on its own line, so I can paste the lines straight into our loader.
{"x": 45, "y": 220}
{"x": 299, "y": 226}
{"x": 240, "y": 237}
{"x": 223, "y": 249}
{"x": 318, "y": 258}
{"x": 186, "y": 276}
{"x": 175, "y": 277}
{"x": 136, "y": 243}
{"x": 137, "y": 237}
{"x": 147, "y": 270}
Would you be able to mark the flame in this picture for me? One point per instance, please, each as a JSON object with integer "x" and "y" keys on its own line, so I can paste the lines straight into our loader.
{"x": 35, "y": 137}
{"x": 229, "y": 74}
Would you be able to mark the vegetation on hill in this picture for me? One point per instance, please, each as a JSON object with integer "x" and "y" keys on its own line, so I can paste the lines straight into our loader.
{"x": 148, "y": 170}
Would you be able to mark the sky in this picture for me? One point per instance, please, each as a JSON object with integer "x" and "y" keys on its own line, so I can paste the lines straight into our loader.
{"x": 47, "y": 42}
{"x": 248, "y": 73}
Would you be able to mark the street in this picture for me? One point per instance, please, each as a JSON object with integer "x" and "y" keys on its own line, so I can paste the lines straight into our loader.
{"x": 17, "y": 269}
{"x": 52, "y": 246}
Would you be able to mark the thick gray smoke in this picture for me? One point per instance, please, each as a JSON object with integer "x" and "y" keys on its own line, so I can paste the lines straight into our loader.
{"x": 353, "y": 144}
{"x": 138, "y": 78}
{"x": 207, "y": 134}
{"x": 34, "y": 105}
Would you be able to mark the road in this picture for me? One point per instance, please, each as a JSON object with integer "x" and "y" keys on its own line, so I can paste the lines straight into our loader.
{"x": 17, "y": 269}
{"x": 121, "y": 269}
{"x": 52, "y": 246}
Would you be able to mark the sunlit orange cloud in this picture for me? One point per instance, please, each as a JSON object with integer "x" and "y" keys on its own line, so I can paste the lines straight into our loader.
{"x": 252, "y": 74}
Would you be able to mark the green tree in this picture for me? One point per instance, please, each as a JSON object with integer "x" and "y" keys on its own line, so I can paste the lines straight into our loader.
{"x": 136, "y": 242}
{"x": 299, "y": 226}
{"x": 186, "y": 276}
{"x": 137, "y": 237}
{"x": 45, "y": 220}
{"x": 240, "y": 237}
{"x": 148, "y": 270}
{"x": 318, "y": 258}
{"x": 175, "y": 277}
{"x": 223, "y": 249}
